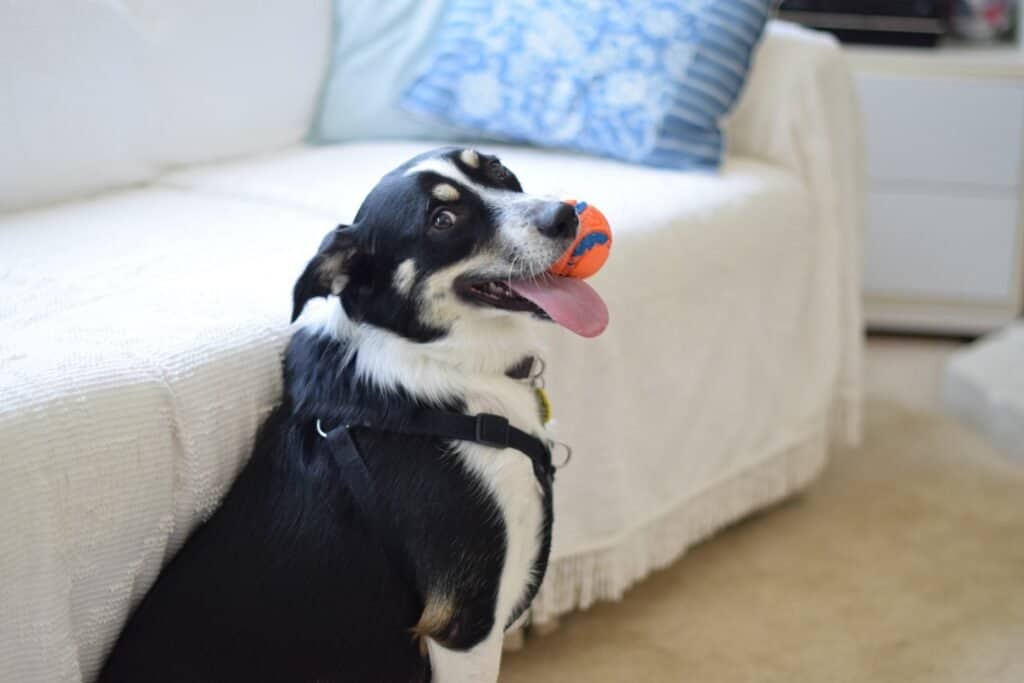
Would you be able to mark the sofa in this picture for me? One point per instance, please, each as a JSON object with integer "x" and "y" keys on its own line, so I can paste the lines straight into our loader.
{"x": 158, "y": 199}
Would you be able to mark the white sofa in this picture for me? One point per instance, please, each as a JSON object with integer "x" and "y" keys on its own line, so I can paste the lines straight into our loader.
{"x": 144, "y": 307}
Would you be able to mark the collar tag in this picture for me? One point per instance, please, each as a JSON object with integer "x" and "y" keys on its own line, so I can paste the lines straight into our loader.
{"x": 543, "y": 405}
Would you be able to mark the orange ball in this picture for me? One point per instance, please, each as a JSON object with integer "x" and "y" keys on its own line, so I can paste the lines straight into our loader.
{"x": 592, "y": 246}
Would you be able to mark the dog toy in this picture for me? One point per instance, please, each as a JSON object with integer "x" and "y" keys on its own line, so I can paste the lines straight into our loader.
{"x": 593, "y": 243}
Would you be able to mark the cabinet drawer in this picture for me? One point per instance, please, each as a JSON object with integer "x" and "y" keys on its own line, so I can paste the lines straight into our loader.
{"x": 943, "y": 130}
{"x": 941, "y": 247}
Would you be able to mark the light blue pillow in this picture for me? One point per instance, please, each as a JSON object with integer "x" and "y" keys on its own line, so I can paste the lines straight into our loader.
{"x": 642, "y": 80}
{"x": 378, "y": 49}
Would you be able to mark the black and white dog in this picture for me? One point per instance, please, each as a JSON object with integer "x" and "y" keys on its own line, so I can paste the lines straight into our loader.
{"x": 408, "y": 560}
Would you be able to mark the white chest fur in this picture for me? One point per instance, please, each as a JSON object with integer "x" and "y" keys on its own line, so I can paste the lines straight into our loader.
{"x": 509, "y": 476}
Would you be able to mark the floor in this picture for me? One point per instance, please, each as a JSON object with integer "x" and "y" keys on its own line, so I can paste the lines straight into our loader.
{"x": 904, "y": 563}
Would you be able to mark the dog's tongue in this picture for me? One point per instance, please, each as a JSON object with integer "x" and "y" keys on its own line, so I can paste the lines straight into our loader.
{"x": 570, "y": 302}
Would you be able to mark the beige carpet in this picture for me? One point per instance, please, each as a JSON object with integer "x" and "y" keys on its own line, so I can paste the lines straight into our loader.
{"x": 905, "y": 563}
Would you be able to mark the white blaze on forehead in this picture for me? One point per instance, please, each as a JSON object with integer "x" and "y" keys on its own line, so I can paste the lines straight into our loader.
{"x": 405, "y": 276}
{"x": 470, "y": 158}
{"x": 446, "y": 192}
{"x": 497, "y": 197}
{"x": 445, "y": 168}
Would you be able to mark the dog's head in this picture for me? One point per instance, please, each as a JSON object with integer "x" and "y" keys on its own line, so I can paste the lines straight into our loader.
{"x": 450, "y": 241}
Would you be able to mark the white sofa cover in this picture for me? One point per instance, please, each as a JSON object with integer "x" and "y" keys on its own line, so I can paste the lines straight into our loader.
{"x": 142, "y": 331}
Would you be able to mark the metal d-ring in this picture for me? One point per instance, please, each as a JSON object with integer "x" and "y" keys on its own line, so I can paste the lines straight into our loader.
{"x": 568, "y": 454}
{"x": 537, "y": 379}
{"x": 320, "y": 429}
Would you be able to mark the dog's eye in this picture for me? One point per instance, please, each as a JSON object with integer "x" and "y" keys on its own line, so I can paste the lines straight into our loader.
{"x": 443, "y": 219}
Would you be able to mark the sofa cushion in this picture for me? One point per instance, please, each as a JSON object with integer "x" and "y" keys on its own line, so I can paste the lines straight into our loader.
{"x": 101, "y": 94}
{"x": 233, "y": 77}
{"x": 333, "y": 180}
{"x": 72, "y": 101}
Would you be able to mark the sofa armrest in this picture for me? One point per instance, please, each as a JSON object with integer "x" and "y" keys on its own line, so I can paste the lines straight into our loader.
{"x": 800, "y": 111}
{"x": 794, "y": 69}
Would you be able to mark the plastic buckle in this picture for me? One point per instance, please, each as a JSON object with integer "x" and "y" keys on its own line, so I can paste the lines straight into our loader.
{"x": 492, "y": 430}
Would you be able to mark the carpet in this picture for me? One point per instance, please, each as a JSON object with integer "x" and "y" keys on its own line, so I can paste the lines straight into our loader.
{"x": 904, "y": 563}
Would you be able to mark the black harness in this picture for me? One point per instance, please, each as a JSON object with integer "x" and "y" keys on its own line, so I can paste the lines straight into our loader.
{"x": 485, "y": 429}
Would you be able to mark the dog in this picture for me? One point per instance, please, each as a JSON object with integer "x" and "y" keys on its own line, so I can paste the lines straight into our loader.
{"x": 362, "y": 541}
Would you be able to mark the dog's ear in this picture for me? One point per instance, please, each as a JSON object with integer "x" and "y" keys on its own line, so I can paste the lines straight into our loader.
{"x": 326, "y": 273}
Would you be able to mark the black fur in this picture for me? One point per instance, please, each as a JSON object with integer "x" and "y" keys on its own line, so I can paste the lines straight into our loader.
{"x": 288, "y": 580}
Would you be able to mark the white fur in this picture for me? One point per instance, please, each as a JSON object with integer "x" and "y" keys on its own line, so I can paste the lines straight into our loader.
{"x": 480, "y": 664}
{"x": 445, "y": 168}
{"x": 405, "y": 276}
{"x": 469, "y": 362}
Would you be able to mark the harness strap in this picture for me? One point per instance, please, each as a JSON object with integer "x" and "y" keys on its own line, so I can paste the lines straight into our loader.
{"x": 485, "y": 429}
{"x": 353, "y": 468}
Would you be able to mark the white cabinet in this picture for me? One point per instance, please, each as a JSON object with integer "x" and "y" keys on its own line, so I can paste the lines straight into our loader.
{"x": 948, "y": 130}
{"x": 942, "y": 247}
{"x": 945, "y": 155}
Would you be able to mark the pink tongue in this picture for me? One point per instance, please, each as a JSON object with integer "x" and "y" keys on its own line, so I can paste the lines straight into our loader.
{"x": 570, "y": 302}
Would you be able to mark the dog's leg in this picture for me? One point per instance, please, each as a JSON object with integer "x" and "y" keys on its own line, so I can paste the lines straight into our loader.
{"x": 479, "y": 664}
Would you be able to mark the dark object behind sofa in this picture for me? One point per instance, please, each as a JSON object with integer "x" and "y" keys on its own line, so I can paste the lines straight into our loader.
{"x": 918, "y": 23}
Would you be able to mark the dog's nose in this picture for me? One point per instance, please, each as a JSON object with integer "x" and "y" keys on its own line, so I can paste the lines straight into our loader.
{"x": 557, "y": 219}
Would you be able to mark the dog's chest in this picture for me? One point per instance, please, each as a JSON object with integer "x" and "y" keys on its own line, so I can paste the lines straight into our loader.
{"x": 509, "y": 476}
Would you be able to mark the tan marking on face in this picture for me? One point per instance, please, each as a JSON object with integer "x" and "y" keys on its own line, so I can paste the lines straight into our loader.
{"x": 405, "y": 276}
{"x": 331, "y": 266}
{"x": 470, "y": 158}
{"x": 446, "y": 192}
{"x": 332, "y": 271}
{"x": 442, "y": 307}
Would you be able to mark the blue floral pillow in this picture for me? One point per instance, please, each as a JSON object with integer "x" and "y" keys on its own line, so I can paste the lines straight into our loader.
{"x": 642, "y": 80}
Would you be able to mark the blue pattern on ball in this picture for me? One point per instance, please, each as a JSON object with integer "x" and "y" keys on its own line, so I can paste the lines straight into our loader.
{"x": 589, "y": 242}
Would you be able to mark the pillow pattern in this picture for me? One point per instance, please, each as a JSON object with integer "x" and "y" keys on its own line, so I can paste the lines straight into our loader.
{"x": 642, "y": 80}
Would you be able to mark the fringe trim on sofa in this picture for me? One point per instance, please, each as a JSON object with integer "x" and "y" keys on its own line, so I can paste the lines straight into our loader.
{"x": 578, "y": 581}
